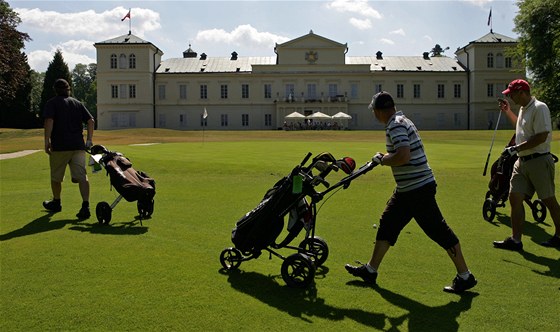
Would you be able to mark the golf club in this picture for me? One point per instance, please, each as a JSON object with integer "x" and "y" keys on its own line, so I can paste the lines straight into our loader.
{"x": 493, "y": 138}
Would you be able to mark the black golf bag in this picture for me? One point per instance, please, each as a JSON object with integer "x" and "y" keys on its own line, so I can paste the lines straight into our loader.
{"x": 132, "y": 185}
{"x": 294, "y": 198}
{"x": 498, "y": 188}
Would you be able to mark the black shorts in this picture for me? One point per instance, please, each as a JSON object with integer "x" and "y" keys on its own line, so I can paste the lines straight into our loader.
{"x": 421, "y": 205}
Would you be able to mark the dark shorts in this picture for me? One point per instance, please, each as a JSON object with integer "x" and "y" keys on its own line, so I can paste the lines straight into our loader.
{"x": 421, "y": 205}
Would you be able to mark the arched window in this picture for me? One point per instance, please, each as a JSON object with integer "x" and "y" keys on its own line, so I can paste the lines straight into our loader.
{"x": 499, "y": 60}
{"x": 490, "y": 60}
{"x": 122, "y": 61}
{"x": 113, "y": 61}
{"x": 132, "y": 61}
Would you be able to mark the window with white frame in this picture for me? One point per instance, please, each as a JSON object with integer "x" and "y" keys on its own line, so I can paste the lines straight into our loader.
{"x": 268, "y": 120}
{"x": 244, "y": 91}
{"x": 224, "y": 120}
{"x": 113, "y": 61}
{"x": 123, "y": 90}
{"x": 132, "y": 61}
{"x": 132, "y": 91}
{"x": 400, "y": 90}
{"x": 457, "y": 90}
{"x": 182, "y": 91}
{"x": 268, "y": 91}
{"x": 441, "y": 91}
{"x": 203, "y": 91}
{"x": 416, "y": 91}
{"x": 354, "y": 90}
{"x": 311, "y": 91}
{"x": 490, "y": 90}
{"x": 490, "y": 60}
{"x": 161, "y": 91}
{"x": 114, "y": 91}
{"x": 223, "y": 91}
{"x": 245, "y": 120}
{"x": 289, "y": 91}
{"x": 333, "y": 89}
{"x": 122, "y": 61}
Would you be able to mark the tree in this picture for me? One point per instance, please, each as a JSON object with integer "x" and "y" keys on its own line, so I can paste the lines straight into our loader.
{"x": 85, "y": 87}
{"x": 15, "y": 82}
{"x": 57, "y": 69}
{"x": 538, "y": 26}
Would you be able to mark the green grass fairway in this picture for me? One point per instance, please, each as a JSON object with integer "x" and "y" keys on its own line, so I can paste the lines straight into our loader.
{"x": 58, "y": 274}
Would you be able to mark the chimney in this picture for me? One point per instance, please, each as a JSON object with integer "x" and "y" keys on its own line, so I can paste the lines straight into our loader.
{"x": 426, "y": 55}
{"x": 233, "y": 56}
{"x": 379, "y": 55}
{"x": 203, "y": 56}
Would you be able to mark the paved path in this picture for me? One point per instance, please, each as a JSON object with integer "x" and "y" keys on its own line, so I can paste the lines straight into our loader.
{"x": 17, "y": 154}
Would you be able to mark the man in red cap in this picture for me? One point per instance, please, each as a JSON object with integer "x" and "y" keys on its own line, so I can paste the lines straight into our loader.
{"x": 534, "y": 170}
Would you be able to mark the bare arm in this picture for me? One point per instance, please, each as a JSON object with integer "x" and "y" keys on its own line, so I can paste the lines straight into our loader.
{"x": 90, "y": 124}
{"x": 506, "y": 109}
{"x": 48, "y": 131}
{"x": 399, "y": 157}
{"x": 533, "y": 141}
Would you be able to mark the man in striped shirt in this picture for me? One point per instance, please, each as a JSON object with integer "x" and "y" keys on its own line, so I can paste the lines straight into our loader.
{"x": 414, "y": 196}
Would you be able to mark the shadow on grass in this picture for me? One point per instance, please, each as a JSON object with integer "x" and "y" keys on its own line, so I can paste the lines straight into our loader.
{"x": 421, "y": 317}
{"x": 299, "y": 303}
{"x": 537, "y": 234}
{"x": 44, "y": 224}
{"x": 39, "y": 225}
{"x": 122, "y": 228}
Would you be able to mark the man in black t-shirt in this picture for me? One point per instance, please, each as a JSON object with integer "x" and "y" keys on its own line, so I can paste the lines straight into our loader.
{"x": 64, "y": 143}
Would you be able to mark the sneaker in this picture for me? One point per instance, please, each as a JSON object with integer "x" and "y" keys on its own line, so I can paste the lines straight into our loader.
{"x": 52, "y": 205}
{"x": 553, "y": 242}
{"x": 508, "y": 244}
{"x": 362, "y": 272}
{"x": 83, "y": 213}
{"x": 459, "y": 285}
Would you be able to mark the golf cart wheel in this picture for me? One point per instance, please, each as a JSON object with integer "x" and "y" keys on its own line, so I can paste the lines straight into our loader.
{"x": 298, "y": 270}
{"x": 103, "y": 212}
{"x": 539, "y": 210}
{"x": 317, "y": 247}
{"x": 145, "y": 209}
{"x": 231, "y": 258}
{"x": 489, "y": 210}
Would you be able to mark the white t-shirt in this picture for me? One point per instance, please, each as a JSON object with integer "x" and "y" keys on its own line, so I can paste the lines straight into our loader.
{"x": 534, "y": 118}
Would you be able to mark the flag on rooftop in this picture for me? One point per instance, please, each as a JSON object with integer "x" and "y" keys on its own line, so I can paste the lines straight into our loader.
{"x": 126, "y": 16}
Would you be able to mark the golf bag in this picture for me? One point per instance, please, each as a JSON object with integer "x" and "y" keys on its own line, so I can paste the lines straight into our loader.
{"x": 132, "y": 185}
{"x": 295, "y": 198}
{"x": 498, "y": 188}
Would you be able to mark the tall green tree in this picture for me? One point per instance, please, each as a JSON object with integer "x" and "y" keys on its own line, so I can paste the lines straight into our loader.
{"x": 57, "y": 69}
{"x": 538, "y": 26}
{"x": 85, "y": 86}
{"x": 15, "y": 74}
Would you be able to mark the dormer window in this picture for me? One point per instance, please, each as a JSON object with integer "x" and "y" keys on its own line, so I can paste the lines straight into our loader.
{"x": 132, "y": 61}
{"x": 113, "y": 61}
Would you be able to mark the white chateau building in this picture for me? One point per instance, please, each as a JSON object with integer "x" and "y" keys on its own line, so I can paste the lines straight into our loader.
{"x": 309, "y": 74}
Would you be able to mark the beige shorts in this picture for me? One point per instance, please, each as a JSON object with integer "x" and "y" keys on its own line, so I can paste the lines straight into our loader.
{"x": 535, "y": 175}
{"x": 76, "y": 160}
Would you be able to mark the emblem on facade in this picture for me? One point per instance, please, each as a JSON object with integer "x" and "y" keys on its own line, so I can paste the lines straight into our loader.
{"x": 311, "y": 56}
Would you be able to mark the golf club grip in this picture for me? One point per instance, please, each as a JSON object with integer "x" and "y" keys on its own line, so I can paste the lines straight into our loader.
{"x": 486, "y": 165}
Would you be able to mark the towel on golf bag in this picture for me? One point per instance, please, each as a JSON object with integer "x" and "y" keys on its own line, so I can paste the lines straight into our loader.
{"x": 131, "y": 184}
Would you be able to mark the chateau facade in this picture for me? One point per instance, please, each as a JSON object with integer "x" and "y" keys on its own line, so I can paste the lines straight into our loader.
{"x": 308, "y": 75}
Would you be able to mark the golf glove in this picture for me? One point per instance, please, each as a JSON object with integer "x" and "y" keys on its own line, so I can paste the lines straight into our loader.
{"x": 378, "y": 158}
{"x": 510, "y": 150}
{"x": 89, "y": 144}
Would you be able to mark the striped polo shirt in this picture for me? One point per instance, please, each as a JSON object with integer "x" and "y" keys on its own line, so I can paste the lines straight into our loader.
{"x": 400, "y": 131}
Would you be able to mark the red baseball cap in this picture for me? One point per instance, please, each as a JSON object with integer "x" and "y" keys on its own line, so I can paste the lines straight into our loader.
{"x": 516, "y": 85}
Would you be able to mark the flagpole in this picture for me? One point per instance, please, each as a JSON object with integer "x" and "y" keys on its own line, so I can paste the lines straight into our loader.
{"x": 129, "y": 22}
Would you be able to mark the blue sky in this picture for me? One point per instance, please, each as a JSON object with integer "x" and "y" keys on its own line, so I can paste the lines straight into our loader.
{"x": 252, "y": 28}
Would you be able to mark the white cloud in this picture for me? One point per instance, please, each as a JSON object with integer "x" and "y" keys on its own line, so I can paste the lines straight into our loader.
{"x": 73, "y": 52}
{"x": 399, "y": 32}
{"x": 89, "y": 23}
{"x": 387, "y": 41}
{"x": 427, "y": 38}
{"x": 243, "y": 35}
{"x": 479, "y": 3}
{"x": 360, "y": 24}
{"x": 360, "y": 7}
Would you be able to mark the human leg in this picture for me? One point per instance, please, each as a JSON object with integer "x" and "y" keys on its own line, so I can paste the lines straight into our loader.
{"x": 79, "y": 175}
{"x": 57, "y": 163}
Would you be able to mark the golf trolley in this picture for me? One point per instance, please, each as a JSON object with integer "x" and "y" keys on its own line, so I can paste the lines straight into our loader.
{"x": 497, "y": 195}
{"x": 295, "y": 197}
{"x": 131, "y": 185}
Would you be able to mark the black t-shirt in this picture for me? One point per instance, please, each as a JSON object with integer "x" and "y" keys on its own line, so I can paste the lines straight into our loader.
{"x": 69, "y": 116}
